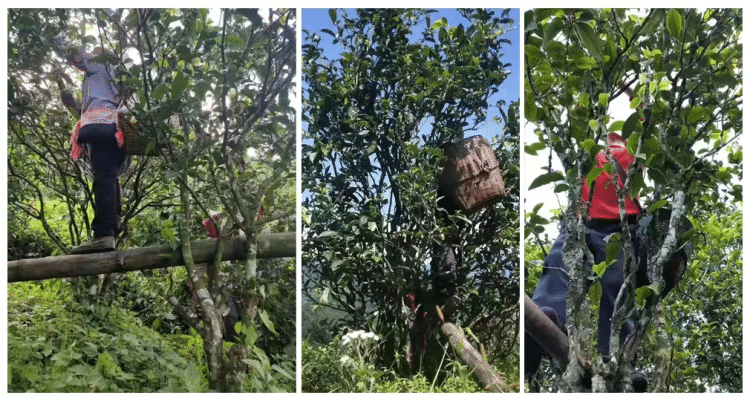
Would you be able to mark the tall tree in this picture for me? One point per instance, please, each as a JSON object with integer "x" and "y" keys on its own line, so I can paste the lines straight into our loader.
{"x": 686, "y": 116}
{"x": 214, "y": 98}
{"x": 376, "y": 116}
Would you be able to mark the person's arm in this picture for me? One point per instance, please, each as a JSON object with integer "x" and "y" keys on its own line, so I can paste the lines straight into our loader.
{"x": 79, "y": 59}
{"x": 66, "y": 95}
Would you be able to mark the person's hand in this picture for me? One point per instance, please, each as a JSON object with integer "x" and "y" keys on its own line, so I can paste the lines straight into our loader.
{"x": 61, "y": 41}
{"x": 68, "y": 99}
{"x": 64, "y": 48}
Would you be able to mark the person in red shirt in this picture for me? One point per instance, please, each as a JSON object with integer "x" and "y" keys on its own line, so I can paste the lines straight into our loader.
{"x": 605, "y": 204}
{"x": 604, "y": 220}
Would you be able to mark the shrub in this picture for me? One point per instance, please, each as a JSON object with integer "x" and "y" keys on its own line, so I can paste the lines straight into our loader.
{"x": 58, "y": 345}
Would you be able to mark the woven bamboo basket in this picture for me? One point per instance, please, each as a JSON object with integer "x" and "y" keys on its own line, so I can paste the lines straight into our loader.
{"x": 136, "y": 143}
{"x": 471, "y": 174}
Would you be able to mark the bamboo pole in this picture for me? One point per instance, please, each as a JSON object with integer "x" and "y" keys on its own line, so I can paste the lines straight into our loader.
{"x": 276, "y": 245}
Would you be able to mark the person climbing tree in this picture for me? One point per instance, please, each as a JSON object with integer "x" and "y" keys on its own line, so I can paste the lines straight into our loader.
{"x": 604, "y": 220}
{"x": 98, "y": 132}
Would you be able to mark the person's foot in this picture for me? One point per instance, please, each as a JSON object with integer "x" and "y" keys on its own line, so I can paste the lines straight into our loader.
{"x": 101, "y": 244}
{"x": 639, "y": 380}
{"x": 552, "y": 315}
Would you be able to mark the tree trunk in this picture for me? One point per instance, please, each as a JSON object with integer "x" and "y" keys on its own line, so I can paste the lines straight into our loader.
{"x": 156, "y": 257}
{"x": 212, "y": 328}
{"x": 663, "y": 353}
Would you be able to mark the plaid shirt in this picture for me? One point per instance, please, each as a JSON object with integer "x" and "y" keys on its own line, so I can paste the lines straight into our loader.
{"x": 99, "y": 100}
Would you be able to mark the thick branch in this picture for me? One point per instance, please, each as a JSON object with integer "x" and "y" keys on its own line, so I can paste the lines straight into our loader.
{"x": 487, "y": 376}
{"x": 544, "y": 332}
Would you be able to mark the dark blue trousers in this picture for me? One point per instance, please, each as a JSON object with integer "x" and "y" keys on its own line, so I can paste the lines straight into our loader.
{"x": 106, "y": 161}
{"x": 552, "y": 287}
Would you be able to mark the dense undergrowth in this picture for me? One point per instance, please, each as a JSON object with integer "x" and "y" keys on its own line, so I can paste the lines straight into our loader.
{"x": 59, "y": 341}
{"x": 56, "y": 344}
{"x": 349, "y": 366}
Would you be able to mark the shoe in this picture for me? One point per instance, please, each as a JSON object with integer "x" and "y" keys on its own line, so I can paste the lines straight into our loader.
{"x": 101, "y": 244}
{"x": 639, "y": 380}
{"x": 552, "y": 315}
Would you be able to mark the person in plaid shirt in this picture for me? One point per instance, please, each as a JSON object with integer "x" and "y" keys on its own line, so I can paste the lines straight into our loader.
{"x": 98, "y": 132}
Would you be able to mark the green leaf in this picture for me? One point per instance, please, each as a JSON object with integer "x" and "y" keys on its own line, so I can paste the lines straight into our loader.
{"x": 267, "y": 322}
{"x": 636, "y": 182}
{"x": 585, "y": 63}
{"x": 590, "y": 40}
{"x": 593, "y": 174}
{"x": 650, "y": 25}
{"x": 603, "y": 99}
{"x": 168, "y": 234}
{"x": 441, "y": 23}
{"x": 616, "y": 126}
{"x": 332, "y": 14}
{"x": 722, "y": 80}
{"x": 675, "y": 24}
{"x": 695, "y": 114}
{"x": 550, "y": 32}
{"x": 657, "y": 205}
{"x": 545, "y": 179}
{"x": 600, "y": 268}
{"x": 632, "y": 144}
{"x": 642, "y": 293}
{"x": 530, "y": 109}
{"x": 178, "y": 85}
{"x": 595, "y": 293}
{"x": 594, "y": 125}
{"x": 251, "y": 335}
{"x": 533, "y": 53}
{"x": 588, "y": 145}
{"x": 635, "y": 102}
{"x": 529, "y": 21}
{"x": 631, "y": 124}
{"x": 159, "y": 92}
{"x": 613, "y": 248}
{"x": 583, "y": 100}
{"x": 657, "y": 176}
{"x": 534, "y": 148}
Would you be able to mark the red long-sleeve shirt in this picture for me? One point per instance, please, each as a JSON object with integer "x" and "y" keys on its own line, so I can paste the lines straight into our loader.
{"x": 604, "y": 205}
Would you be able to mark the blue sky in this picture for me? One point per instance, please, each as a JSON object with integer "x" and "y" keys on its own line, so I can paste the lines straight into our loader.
{"x": 313, "y": 20}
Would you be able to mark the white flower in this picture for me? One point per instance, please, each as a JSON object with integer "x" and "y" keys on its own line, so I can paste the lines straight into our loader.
{"x": 370, "y": 335}
{"x": 345, "y": 359}
{"x": 358, "y": 334}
